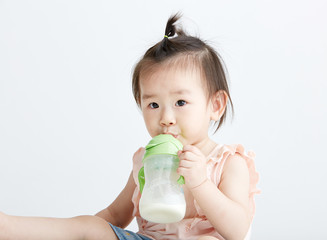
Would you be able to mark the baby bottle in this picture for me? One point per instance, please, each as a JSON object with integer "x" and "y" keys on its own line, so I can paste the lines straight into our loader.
{"x": 162, "y": 199}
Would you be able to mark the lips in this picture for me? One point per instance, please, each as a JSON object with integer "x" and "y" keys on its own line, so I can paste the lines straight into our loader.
{"x": 174, "y": 135}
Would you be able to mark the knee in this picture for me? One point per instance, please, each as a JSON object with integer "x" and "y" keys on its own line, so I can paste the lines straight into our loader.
{"x": 94, "y": 228}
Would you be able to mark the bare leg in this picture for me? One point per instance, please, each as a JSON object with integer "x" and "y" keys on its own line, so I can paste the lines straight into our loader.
{"x": 207, "y": 238}
{"x": 39, "y": 228}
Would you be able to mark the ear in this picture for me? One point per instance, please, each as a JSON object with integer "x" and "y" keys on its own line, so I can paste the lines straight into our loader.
{"x": 218, "y": 104}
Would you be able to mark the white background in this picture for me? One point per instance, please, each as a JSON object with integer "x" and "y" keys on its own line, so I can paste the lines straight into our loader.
{"x": 69, "y": 125}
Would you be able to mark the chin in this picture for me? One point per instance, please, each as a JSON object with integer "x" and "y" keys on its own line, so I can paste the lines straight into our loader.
{"x": 182, "y": 140}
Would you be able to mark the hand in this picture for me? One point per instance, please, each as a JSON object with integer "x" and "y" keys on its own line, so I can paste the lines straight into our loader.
{"x": 192, "y": 165}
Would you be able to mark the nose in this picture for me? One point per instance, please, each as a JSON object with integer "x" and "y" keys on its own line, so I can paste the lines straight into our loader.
{"x": 167, "y": 118}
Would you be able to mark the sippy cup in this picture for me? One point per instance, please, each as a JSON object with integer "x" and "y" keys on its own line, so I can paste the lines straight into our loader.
{"x": 162, "y": 199}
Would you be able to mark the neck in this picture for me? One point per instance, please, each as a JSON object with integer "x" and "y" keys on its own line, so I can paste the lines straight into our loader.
{"x": 206, "y": 146}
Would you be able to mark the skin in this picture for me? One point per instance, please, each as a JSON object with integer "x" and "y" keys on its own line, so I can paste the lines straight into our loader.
{"x": 173, "y": 101}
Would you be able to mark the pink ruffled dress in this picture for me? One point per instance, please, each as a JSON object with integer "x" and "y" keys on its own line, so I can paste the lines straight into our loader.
{"x": 198, "y": 225}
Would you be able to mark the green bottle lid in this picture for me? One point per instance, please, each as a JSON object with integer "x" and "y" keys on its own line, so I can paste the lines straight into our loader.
{"x": 162, "y": 144}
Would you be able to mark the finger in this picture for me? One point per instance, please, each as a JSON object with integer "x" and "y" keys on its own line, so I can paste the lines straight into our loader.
{"x": 186, "y": 164}
{"x": 184, "y": 171}
{"x": 193, "y": 149}
{"x": 189, "y": 156}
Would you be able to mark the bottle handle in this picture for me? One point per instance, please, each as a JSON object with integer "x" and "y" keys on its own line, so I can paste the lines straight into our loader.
{"x": 181, "y": 180}
{"x": 141, "y": 179}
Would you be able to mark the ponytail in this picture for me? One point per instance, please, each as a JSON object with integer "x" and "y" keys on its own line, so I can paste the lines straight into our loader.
{"x": 167, "y": 46}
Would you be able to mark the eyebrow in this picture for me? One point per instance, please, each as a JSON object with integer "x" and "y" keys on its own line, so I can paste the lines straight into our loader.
{"x": 178, "y": 92}
{"x": 147, "y": 96}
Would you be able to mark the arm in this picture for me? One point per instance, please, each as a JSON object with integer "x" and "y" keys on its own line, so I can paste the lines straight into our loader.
{"x": 226, "y": 207}
{"x": 119, "y": 213}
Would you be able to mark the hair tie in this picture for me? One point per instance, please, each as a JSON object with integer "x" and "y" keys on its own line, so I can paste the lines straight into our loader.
{"x": 166, "y": 36}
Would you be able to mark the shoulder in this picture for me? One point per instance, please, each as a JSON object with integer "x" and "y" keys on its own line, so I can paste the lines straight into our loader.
{"x": 233, "y": 156}
{"x": 139, "y": 153}
{"x": 235, "y": 169}
{"x": 236, "y": 160}
{"x": 138, "y": 156}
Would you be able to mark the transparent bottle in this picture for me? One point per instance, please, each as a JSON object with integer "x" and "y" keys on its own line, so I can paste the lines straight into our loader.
{"x": 162, "y": 199}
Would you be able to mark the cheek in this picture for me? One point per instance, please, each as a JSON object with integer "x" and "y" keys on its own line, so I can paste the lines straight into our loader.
{"x": 146, "y": 117}
{"x": 195, "y": 118}
{"x": 188, "y": 120}
{"x": 149, "y": 119}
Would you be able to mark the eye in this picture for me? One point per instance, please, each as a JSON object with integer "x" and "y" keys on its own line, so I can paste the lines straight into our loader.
{"x": 180, "y": 103}
{"x": 153, "y": 105}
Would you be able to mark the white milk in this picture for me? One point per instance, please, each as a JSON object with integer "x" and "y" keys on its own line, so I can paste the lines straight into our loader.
{"x": 162, "y": 213}
{"x": 162, "y": 199}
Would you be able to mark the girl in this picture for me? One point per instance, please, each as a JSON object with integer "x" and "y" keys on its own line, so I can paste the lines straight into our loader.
{"x": 181, "y": 88}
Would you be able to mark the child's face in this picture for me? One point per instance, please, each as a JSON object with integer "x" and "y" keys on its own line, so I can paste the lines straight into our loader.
{"x": 174, "y": 101}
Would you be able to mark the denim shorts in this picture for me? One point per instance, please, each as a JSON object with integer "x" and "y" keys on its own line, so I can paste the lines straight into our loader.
{"x": 123, "y": 234}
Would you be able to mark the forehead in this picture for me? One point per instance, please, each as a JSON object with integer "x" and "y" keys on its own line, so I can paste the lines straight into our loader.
{"x": 171, "y": 78}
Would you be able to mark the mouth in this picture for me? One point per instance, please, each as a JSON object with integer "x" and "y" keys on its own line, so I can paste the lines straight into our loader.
{"x": 172, "y": 134}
